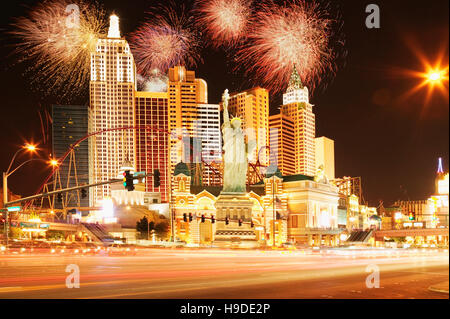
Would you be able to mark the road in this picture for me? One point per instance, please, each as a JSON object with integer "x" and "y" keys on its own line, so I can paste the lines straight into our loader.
{"x": 228, "y": 274}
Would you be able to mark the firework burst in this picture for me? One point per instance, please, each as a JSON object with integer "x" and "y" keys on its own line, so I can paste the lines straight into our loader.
{"x": 165, "y": 40}
{"x": 284, "y": 36}
{"x": 225, "y": 21}
{"x": 57, "y": 38}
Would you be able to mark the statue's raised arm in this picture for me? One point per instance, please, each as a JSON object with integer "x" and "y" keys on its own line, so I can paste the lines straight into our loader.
{"x": 226, "y": 116}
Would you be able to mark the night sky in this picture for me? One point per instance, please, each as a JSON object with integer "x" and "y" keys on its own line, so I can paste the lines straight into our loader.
{"x": 392, "y": 143}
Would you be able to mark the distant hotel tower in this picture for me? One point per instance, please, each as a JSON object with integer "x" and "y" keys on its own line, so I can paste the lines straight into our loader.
{"x": 207, "y": 129}
{"x": 185, "y": 94}
{"x": 112, "y": 90}
{"x": 152, "y": 146}
{"x": 252, "y": 106}
{"x": 282, "y": 143}
{"x": 297, "y": 111}
{"x": 70, "y": 123}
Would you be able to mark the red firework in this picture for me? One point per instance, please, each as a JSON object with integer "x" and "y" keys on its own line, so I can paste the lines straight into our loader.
{"x": 225, "y": 21}
{"x": 164, "y": 41}
{"x": 284, "y": 36}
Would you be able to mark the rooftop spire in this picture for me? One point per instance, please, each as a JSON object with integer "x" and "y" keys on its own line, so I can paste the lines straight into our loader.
{"x": 440, "y": 168}
{"x": 113, "y": 31}
{"x": 295, "y": 82}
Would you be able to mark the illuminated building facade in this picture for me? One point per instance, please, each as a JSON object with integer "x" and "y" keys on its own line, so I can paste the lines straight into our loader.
{"x": 438, "y": 204}
{"x": 325, "y": 156}
{"x": 112, "y": 105}
{"x": 297, "y": 109}
{"x": 293, "y": 208}
{"x": 152, "y": 145}
{"x": 185, "y": 93}
{"x": 252, "y": 107}
{"x": 313, "y": 211}
{"x": 282, "y": 143}
{"x": 207, "y": 130}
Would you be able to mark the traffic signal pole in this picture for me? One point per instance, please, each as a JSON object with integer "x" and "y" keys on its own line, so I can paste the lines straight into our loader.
{"x": 63, "y": 191}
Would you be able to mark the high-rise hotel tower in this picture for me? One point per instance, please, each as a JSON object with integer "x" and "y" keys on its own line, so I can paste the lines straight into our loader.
{"x": 152, "y": 144}
{"x": 185, "y": 93}
{"x": 252, "y": 107}
{"x": 296, "y": 111}
{"x": 112, "y": 99}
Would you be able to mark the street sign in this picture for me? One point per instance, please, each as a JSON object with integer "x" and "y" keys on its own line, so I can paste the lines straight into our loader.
{"x": 14, "y": 209}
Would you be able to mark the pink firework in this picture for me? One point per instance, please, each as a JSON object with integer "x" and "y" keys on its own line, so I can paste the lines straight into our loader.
{"x": 225, "y": 21}
{"x": 164, "y": 41}
{"x": 284, "y": 36}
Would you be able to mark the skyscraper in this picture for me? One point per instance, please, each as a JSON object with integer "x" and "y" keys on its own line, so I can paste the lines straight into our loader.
{"x": 252, "y": 107}
{"x": 112, "y": 98}
{"x": 299, "y": 111}
{"x": 325, "y": 156}
{"x": 185, "y": 93}
{"x": 152, "y": 146}
{"x": 207, "y": 129}
{"x": 282, "y": 143}
{"x": 69, "y": 124}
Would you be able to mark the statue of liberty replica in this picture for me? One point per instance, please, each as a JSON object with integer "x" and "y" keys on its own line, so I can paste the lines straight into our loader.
{"x": 233, "y": 206}
{"x": 235, "y": 157}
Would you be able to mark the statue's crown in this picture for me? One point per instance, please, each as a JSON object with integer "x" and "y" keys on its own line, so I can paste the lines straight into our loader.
{"x": 236, "y": 119}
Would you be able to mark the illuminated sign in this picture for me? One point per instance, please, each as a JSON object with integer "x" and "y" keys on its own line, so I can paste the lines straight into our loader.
{"x": 407, "y": 224}
{"x": 418, "y": 224}
{"x": 14, "y": 209}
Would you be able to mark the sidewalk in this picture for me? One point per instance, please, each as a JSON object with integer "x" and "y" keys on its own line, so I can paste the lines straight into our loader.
{"x": 441, "y": 287}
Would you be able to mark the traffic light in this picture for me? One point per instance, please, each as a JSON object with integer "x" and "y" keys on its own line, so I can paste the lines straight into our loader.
{"x": 213, "y": 220}
{"x": 412, "y": 215}
{"x": 227, "y": 221}
{"x": 252, "y": 224}
{"x": 156, "y": 178}
{"x": 128, "y": 181}
{"x": 190, "y": 217}
{"x": 203, "y": 218}
{"x": 240, "y": 222}
{"x": 83, "y": 193}
{"x": 185, "y": 217}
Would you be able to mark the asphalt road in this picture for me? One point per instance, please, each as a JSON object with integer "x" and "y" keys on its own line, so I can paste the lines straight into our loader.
{"x": 212, "y": 274}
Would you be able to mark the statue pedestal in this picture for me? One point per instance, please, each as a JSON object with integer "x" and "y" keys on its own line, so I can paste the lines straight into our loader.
{"x": 235, "y": 206}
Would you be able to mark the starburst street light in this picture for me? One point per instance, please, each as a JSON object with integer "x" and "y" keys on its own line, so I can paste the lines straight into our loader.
{"x": 435, "y": 76}
{"x": 30, "y": 147}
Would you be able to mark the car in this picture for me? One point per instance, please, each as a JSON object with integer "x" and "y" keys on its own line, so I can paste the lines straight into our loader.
{"x": 91, "y": 248}
{"x": 130, "y": 249}
{"x": 288, "y": 246}
{"x": 75, "y": 248}
{"x": 115, "y": 249}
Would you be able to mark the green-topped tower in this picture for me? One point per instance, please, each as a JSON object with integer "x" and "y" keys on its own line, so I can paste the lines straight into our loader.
{"x": 293, "y": 131}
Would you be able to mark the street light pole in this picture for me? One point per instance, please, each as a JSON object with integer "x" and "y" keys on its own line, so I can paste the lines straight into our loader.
{"x": 8, "y": 172}
{"x": 5, "y": 200}
{"x": 273, "y": 206}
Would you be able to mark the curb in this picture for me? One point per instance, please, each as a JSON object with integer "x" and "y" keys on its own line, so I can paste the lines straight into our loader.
{"x": 439, "y": 288}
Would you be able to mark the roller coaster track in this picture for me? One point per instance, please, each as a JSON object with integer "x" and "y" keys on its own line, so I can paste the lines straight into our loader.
{"x": 78, "y": 142}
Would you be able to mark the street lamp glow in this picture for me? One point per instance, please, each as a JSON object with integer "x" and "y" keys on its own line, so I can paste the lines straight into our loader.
{"x": 434, "y": 76}
{"x": 30, "y": 147}
{"x": 54, "y": 162}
